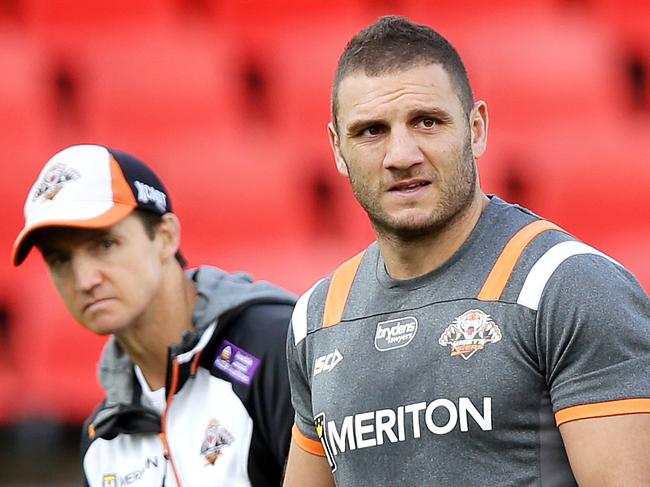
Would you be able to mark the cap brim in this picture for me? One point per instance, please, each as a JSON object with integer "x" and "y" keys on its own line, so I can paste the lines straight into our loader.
{"x": 24, "y": 242}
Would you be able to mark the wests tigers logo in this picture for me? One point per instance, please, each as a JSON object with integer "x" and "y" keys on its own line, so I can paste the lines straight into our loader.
{"x": 469, "y": 333}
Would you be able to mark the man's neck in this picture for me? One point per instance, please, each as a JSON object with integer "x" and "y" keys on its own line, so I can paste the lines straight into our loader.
{"x": 411, "y": 259}
{"x": 162, "y": 325}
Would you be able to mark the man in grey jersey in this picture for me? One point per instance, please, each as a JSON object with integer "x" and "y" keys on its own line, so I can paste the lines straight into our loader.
{"x": 474, "y": 343}
{"x": 194, "y": 371}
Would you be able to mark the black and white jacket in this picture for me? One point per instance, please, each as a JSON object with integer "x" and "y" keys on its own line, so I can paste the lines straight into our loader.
{"x": 228, "y": 413}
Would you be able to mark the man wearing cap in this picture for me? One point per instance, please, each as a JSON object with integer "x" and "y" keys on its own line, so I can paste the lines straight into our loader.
{"x": 194, "y": 373}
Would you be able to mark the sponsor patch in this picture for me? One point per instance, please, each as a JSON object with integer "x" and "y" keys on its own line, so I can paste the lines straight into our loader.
{"x": 395, "y": 333}
{"x": 216, "y": 439}
{"x": 133, "y": 477}
{"x": 53, "y": 181}
{"x": 405, "y": 422}
{"x": 236, "y": 363}
{"x": 469, "y": 333}
{"x": 109, "y": 480}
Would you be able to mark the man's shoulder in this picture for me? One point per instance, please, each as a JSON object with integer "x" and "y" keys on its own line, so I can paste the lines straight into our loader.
{"x": 310, "y": 305}
{"x": 258, "y": 327}
{"x": 264, "y": 316}
{"x": 88, "y": 433}
{"x": 579, "y": 272}
{"x": 313, "y": 307}
{"x": 555, "y": 266}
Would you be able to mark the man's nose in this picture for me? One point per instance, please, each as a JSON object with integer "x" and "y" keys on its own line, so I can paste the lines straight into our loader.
{"x": 86, "y": 272}
{"x": 403, "y": 150}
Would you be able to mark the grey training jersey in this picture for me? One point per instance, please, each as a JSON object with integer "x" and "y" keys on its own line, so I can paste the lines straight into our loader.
{"x": 462, "y": 376}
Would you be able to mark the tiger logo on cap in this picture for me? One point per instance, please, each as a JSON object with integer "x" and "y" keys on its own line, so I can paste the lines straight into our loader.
{"x": 53, "y": 181}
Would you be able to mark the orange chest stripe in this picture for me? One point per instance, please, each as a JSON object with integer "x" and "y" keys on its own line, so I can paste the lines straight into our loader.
{"x": 505, "y": 264}
{"x": 341, "y": 283}
{"x": 337, "y": 294}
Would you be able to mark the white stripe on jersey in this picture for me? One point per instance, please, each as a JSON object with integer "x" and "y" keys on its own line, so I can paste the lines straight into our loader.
{"x": 541, "y": 272}
{"x": 299, "y": 316}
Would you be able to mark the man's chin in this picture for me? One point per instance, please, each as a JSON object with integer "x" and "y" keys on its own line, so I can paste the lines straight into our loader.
{"x": 406, "y": 227}
{"x": 105, "y": 327}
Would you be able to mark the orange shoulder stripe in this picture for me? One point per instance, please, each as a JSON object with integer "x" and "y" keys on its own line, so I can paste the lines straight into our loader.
{"x": 603, "y": 409}
{"x": 311, "y": 446}
{"x": 339, "y": 289}
{"x": 505, "y": 264}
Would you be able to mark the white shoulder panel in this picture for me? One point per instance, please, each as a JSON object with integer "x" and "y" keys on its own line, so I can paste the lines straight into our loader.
{"x": 299, "y": 316}
{"x": 541, "y": 272}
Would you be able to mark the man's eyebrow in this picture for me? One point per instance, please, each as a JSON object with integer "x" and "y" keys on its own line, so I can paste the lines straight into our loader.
{"x": 99, "y": 233}
{"x": 78, "y": 235}
{"x": 48, "y": 250}
{"x": 435, "y": 112}
{"x": 357, "y": 126}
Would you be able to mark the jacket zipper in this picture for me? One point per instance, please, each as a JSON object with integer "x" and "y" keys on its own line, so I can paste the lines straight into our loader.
{"x": 163, "y": 434}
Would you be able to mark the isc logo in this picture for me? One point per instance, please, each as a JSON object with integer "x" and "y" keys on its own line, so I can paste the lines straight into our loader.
{"x": 327, "y": 362}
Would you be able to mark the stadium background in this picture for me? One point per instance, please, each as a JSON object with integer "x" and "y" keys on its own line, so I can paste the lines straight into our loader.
{"x": 228, "y": 101}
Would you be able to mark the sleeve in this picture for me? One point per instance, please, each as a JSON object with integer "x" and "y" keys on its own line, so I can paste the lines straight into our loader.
{"x": 272, "y": 410}
{"x": 594, "y": 340}
{"x": 304, "y": 431}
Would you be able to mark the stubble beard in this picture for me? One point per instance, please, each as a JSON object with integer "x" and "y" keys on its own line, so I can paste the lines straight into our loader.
{"x": 456, "y": 195}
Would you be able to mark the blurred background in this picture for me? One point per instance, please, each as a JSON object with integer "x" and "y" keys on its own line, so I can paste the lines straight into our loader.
{"x": 229, "y": 101}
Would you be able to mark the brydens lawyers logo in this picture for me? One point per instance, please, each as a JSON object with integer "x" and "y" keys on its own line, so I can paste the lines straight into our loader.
{"x": 396, "y": 333}
{"x": 469, "y": 333}
{"x": 53, "y": 180}
{"x": 216, "y": 439}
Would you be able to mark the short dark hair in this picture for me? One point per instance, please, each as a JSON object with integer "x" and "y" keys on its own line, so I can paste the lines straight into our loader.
{"x": 393, "y": 44}
{"x": 150, "y": 222}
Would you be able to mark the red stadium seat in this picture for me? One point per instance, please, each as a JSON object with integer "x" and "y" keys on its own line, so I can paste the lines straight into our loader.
{"x": 9, "y": 380}
{"x": 590, "y": 178}
{"x": 538, "y": 69}
{"x": 631, "y": 19}
{"x": 230, "y": 191}
{"x": 71, "y": 22}
{"x": 26, "y": 107}
{"x": 294, "y": 264}
{"x": 150, "y": 84}
{"x": 26, "y": 127}
{"x": 54, "y": 358}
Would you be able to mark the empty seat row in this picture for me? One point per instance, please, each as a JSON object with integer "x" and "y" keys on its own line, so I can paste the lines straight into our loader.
{"x": 158, "y": 78}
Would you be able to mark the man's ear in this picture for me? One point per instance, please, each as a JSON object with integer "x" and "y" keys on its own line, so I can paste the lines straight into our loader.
{"x": 336, "y": 149}
{"x": 169, "y": 233}
{"x": 478, "y": 126}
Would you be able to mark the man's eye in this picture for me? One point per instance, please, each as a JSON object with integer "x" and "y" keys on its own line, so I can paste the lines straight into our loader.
{"x": 107, "y": 243}
{"x": 102, "y": 243}
{"x": 372, "y": 130}
{"x": 428, "y": 122}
